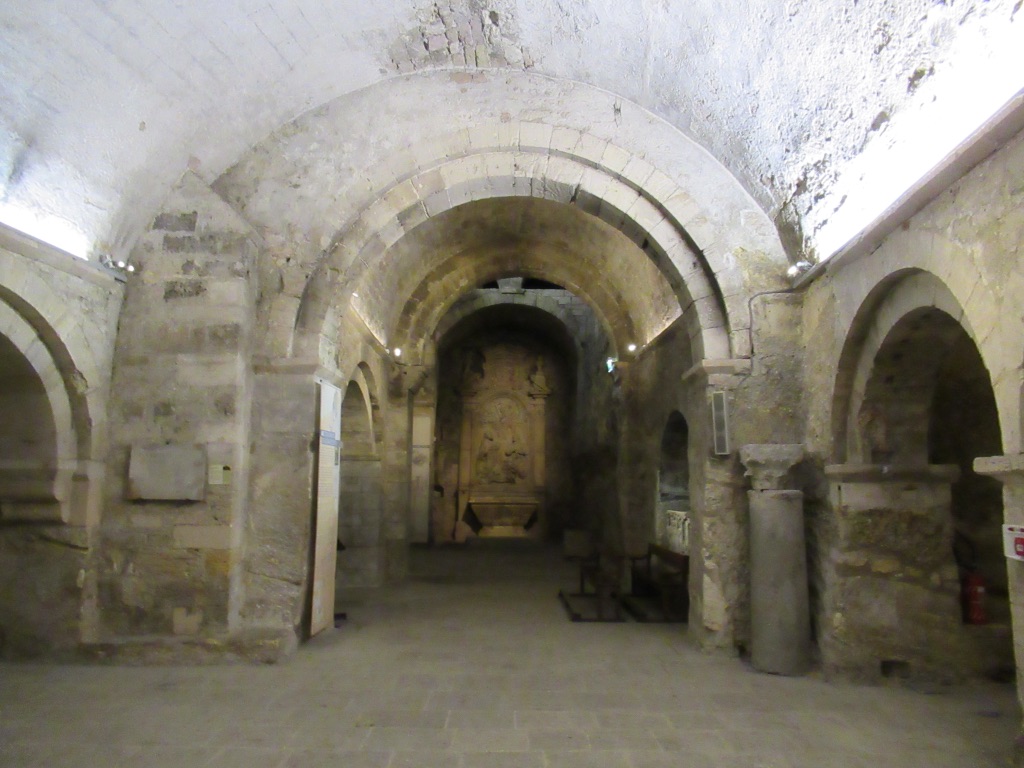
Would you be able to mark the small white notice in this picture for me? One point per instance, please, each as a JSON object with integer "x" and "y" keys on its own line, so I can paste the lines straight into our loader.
{"x": 1013, "y": 541}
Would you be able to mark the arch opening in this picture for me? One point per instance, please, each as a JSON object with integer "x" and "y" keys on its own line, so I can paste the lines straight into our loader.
{"x": 963, "y": 425}
{"x": 915, "y": 525}
{"x": 360, "y": 559}
{"x": 30, "y": 492}
{"x": 28, "y": 430}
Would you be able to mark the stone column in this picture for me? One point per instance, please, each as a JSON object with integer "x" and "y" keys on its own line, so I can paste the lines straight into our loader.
{"x": 780, "y": 622}
{"x": 1009, "y": 470}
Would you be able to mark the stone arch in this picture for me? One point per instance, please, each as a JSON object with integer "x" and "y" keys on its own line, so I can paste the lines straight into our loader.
{"x": 900, "y": 295}
{"x": 42, "y": 478}
{"x": 953, "y": 272}
{"x": 517, "y": 161}
{"x": 458, "y": 312}
{"x": 914, "y": 406}
{"x": 367, "y": 381}
{"x": 360, "y": 500}
{"x": 73, "y": 352}
{"x": 419, "y": 319}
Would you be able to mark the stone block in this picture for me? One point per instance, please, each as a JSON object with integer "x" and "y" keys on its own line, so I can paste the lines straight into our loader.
{"x": 167, "y": 473}
{"x": 183, "y": 289}
{"x": 176, "y": 222}
{"x": 202, "y": 536}
{"x": 185, "y": 623}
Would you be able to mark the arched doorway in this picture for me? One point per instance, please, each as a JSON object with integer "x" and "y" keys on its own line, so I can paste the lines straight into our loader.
{"x": 912, "y": 522}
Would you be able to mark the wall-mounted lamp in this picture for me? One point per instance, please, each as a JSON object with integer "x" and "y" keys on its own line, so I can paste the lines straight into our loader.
{"x": 631, "y": 348}
{"x": 396, "y": 352}
{"x": 795, "y": 270}
{"x": 120, "y": 265}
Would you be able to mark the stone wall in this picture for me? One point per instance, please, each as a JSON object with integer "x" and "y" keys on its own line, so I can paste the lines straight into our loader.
{"x": 958, "y": 257}
{"x": 168, "y": 558}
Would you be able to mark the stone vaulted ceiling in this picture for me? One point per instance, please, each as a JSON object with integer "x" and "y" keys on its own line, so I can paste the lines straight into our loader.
{"x": 105, "y": 103}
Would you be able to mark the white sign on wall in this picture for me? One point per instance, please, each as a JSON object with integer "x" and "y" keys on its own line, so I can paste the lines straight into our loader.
{"x": 1013, "y": 541}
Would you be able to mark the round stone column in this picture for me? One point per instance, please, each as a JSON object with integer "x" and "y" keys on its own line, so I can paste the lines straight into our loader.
{"x": 780, "y": 620}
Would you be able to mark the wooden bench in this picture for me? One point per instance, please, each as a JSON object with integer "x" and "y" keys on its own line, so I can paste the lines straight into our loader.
{"x": 665, "y": 574}
{"x": 599, "y": 569}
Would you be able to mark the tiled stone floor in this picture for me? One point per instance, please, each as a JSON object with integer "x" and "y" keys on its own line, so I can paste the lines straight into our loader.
{"x": 473, "y": 663}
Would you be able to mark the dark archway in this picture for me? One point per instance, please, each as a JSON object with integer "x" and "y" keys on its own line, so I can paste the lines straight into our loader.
{"x": 28, "y": 492}
{"x": 672, "y": 518}
{"x": 963, "y": 425}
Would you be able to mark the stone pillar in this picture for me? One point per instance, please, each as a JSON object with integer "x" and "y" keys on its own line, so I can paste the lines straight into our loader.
{"x": 278, "y": 526}
{"x": 421, "y": 471}
{"x": 1009, "y": 470}
{"x": 779, "y": 606}
{"x": 719, "y": 571}
{"x": 889, "y": 591}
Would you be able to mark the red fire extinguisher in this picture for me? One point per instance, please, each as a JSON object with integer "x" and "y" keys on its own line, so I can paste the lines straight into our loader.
{"x": 974, "y": 599}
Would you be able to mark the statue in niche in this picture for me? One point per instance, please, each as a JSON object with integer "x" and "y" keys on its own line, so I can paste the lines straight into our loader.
{"x": 538, "y": 381}
{"x": 502, "y": 453}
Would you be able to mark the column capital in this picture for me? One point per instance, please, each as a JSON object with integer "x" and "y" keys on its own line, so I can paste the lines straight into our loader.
{"x": 768, "y": 464}
{"x": 1008, "y": 469}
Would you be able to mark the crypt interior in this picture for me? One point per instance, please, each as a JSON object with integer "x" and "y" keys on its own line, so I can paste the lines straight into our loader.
{"x": 302, "y": 304}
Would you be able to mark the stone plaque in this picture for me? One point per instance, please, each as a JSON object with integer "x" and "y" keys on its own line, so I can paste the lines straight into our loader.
{"x": 167, "y": 473}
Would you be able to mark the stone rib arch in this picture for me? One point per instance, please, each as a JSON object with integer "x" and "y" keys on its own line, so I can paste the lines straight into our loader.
{"x": 362, "y": 376}
{"x": 602, "y": 179}
{"x": 459, "y": 312}
{"x": 417, "y": 325}
{"x": 360, "y": 494}
{"x": 64, "y": 342}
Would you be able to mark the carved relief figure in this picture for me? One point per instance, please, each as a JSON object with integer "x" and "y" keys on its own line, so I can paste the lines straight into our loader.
{"x": 502, "y": 452}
